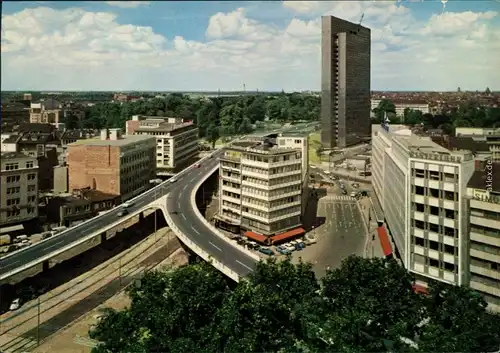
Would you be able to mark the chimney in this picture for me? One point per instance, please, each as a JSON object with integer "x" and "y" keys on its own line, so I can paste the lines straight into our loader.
{"x": 104, "y": 134}
{"x": 114, "y": 134}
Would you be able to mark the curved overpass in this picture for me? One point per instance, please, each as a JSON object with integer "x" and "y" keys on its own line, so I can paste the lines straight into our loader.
{"x": 186, "y": 221}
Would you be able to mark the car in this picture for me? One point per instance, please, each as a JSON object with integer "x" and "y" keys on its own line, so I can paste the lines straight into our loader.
{"x": 354, "y": 194}
{"x": 197, "y": 165}
{"x": 127, "y": 204}
{"x": 289, "y": 246}
{"x": 16, "y": 303}
{"x": 266, "y": 251}
{"x": 282, "y": 250}
{"x": 123, "y": 212}
{"x": 172, "y": 180}
{"x": 344, "y": 191}
{"x": 355, "y": 185}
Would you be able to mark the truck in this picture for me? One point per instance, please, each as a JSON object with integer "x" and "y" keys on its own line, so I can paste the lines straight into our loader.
{"x": 5, "y": 239}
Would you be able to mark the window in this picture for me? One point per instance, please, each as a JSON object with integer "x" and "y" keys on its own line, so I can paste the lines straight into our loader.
{"x": 31, "y": 176}
{"x": 12, "y": 202}
{"x": 449, "y": 267}
{"x": 449, "y": 249}
{"x": 29, "y": 164}
{"x": 13, "y": 213}
{"x": 13, "y": 178}
{"x": 11, "y": 166}
{"x": 31, "y": 188}
{"x": 31, "y": 198}
{"x": 419, "y": 241}
{"x": 13, "y": 190}
{"x": 433, "y": 263}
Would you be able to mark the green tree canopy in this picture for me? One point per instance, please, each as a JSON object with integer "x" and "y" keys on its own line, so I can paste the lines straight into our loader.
{"x": 366, "y": 305}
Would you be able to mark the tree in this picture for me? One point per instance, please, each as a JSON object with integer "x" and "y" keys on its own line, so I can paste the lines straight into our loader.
{"x": 365, "y": 305}
{"x": 212, "y": 134}
{"x": 385, "y": 107}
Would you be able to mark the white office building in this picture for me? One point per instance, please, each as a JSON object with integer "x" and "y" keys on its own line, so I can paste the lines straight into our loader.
{"x": 421, "y": 187}
{"x": 262, "y": 185}
{"x": 177, "y": 140}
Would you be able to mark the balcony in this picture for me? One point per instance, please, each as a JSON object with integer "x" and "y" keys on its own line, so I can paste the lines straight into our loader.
{"x": 231, "y": 189}
{"x": 485, "y": 286}
{"x": 485, "y": 255}
{"x": 232, "y": 178}
{"x": 231, "y": 199}
{"x": 266, "y": 197}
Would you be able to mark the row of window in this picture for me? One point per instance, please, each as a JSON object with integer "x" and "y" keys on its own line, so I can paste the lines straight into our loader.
{"x": 437, "y": 193}
{"x": 17, "y": 212}
{"x": 133, "y": 157}
{"x": 451, "y": 232}
{"x": 485, "y": 214}
{"x": 434, "y": 245}
{"x": 435, "y": 175}
{"x": 427, "y": 261}
{"x": 271, "y": 215}
{"x": 76, "y": 210}
{"x": 485, "y": 230}
{"x": 272, "y": 159}
{"x": 273, "y": 182}
{"x": 272, "y": 171}
{"x": 435, "y": 211}
{"x": 271, "y": 204}
{"x": 271, "y": 193}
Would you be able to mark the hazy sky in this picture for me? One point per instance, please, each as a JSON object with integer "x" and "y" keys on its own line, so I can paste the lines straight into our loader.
{"x": 222, "y": 45}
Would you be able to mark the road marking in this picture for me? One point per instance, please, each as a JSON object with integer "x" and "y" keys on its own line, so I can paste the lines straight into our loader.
{"x": 54, "y": 245}
{"x": 215, "y": 246}
{"x": 195, "y": 231}
{"x": 184, "y": 188}
{"x": 183, "y": 216}
{"x": 242, "y": 264}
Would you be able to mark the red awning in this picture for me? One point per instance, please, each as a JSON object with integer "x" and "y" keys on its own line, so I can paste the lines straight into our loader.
{"x": 255, "y": 236}
{"x": 290, "y": 234}
{"x": 418, "y": 288}
{"x": 384, "y": 241}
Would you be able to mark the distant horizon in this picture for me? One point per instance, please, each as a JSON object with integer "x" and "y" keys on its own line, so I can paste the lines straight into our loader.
{"x": 237, "y": 91}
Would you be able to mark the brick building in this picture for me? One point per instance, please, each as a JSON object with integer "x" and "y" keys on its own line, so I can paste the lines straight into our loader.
{"x": 113, "y": 164}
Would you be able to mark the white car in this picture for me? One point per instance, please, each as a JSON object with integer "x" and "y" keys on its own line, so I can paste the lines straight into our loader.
{"x": 354, "y": 194}
{"x": 127, "y": 204}
{"x": 15, "y": 304}
{"x": 289, "y": 246}
{"x": 172, "y": 180}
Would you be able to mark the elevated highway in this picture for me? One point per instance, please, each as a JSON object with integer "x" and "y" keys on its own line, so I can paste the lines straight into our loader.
{"x": 177, "y": 202}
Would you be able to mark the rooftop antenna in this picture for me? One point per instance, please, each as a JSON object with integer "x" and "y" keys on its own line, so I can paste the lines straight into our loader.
{"x": 244, "y": 88}
{"x": 361, "y": 19}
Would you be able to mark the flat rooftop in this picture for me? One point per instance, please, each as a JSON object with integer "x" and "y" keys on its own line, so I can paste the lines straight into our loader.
{"x": 261, "y": 147}
{"x": 419, "y": 144}
{"x": 164, "y": 127}
{"x": 14, "y": 155}
{"x": 122, "y": 141}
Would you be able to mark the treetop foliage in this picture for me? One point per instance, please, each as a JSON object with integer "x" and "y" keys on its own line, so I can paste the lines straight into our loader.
{"x": 367, "y": 305}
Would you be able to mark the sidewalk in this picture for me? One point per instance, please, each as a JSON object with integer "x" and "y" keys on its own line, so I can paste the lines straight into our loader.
{"x": 373, "y": 247}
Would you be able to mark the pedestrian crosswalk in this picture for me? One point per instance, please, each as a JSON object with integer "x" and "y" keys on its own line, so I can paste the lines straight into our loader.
{"x": 338, "y": 198}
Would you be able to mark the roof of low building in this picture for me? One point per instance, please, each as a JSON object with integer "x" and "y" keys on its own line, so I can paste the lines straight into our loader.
{"x": 485, "y": 178}
{"x": 15, "y": 155}
{"x": 122, "y": 141}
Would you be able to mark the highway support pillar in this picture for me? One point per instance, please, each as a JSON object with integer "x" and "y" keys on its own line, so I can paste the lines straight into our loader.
{"x": 45, "y": 265}
{"x": 103, "y": 237}
{"x": 141, "y": 218}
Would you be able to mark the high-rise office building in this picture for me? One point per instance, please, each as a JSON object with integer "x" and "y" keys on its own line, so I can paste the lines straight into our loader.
{"x": 345, "y": 82}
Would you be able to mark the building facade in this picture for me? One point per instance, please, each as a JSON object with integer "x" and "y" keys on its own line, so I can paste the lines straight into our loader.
{"x": 261, "y": 186}
{"x": 48, "y": 111}
{"x": 345, "y": 82}
{"x": 421, "y": 187}
{"x": 19, "y": 191}
{"x": 483, "y": 191}
{"x": 401, "y": 106}
{"x": 490, "y": 136}
{"x": 112, "y": 164}
{"x": 177, "y": 140}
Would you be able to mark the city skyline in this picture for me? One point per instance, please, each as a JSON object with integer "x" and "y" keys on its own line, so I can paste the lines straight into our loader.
{"x": 156, "y": 46}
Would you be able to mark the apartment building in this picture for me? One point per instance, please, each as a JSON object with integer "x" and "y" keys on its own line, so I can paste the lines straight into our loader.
{"x": 261, "y": 187}
{"x": 19, "y": 191}
{"x": 176, "y": 140}
{"x": 421, "y": 187}
{"x": 112, "y": 163}
{"x": 483, "y": 191}
{"x": 490, "y": 136}
{"x": 48, "y": 111}
{"x": 345, "y": 82}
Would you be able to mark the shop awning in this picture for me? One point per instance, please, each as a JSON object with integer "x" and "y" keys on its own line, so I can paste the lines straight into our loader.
{"x": 287, "y": 235}
{"x": 255, "y": 236}
{"x": 384, "y": 241}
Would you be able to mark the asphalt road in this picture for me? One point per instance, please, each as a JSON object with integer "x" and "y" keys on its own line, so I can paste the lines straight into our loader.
{"x": 183, "y": 214}
{"x": 341, "y": 235}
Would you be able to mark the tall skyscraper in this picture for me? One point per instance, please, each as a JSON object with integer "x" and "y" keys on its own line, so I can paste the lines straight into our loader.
{"x": 345, "y": 82}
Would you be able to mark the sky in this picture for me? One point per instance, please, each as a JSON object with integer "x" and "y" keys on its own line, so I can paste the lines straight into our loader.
{"x": 272, "y": 45}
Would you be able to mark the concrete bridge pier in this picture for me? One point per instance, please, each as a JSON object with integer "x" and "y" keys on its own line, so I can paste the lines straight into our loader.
{"x": 141, "y": 218}
{"x": 103, "y": 237}
{"x": 45, "y": 266}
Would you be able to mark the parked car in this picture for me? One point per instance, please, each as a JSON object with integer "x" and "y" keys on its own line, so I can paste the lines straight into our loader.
{"x": 282, "y": 250}
{"x": 354, "y": 194}
{"x": 266, "y": 251}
